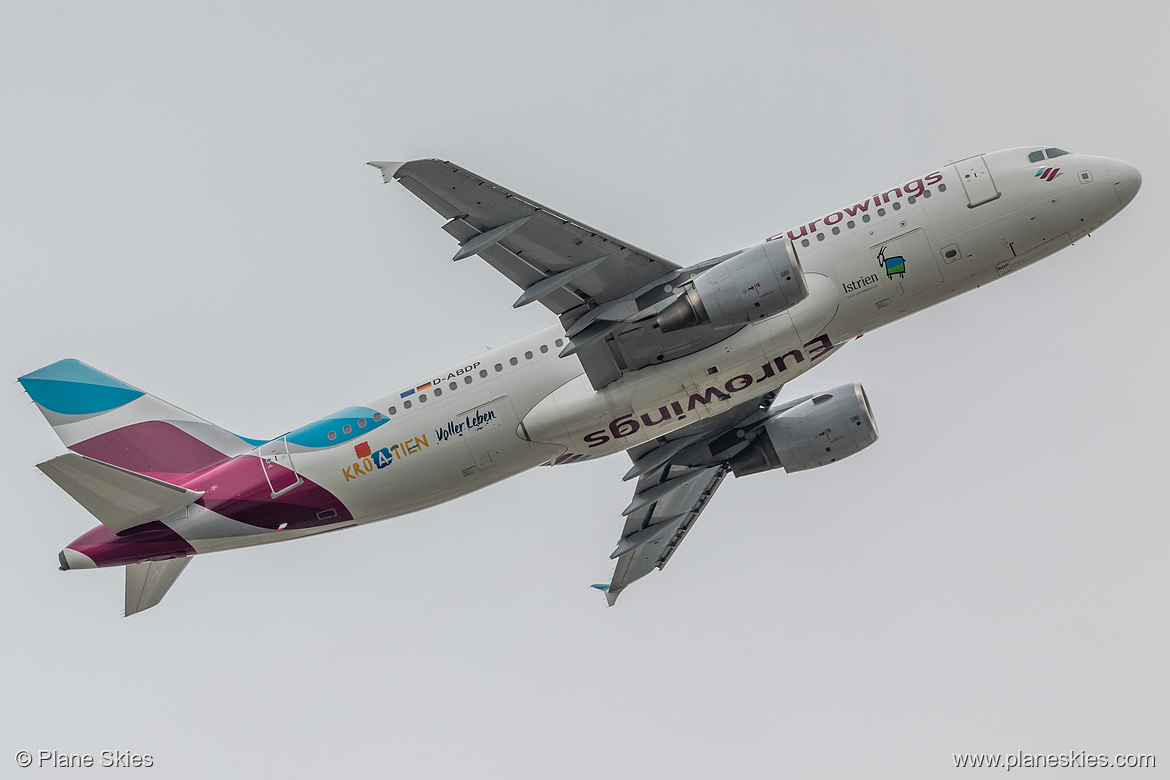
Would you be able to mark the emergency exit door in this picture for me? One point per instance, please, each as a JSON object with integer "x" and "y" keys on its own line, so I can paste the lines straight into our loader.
{"x": 977, "y": 181}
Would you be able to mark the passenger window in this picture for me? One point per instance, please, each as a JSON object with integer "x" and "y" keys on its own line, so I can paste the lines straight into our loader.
{"x": 346, "y": 428}
{"x": 332, "y": 435}
{"x": 1036, "y": 157}
{"x": 1055, "y": 153}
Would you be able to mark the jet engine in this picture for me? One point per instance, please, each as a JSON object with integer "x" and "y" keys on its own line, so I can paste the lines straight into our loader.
{"x": 820, "y": 430}
{"x": 760, "y": 281}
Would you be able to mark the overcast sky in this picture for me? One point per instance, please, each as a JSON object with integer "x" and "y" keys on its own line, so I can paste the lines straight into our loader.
{"x": 186, "y": 206}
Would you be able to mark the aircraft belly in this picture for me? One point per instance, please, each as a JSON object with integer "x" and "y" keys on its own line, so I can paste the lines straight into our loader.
{"x": 446, "y": 474}
{"x": 756, "y": 360}
{"x": 226, "y": 534}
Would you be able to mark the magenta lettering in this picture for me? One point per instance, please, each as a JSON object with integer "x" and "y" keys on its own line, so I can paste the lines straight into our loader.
{"x": 856, "y": 207}
{"x": 706, "y": 398}
{"x": 664, "y": 415}
{"x": 822, "y": 348}
{"x": 737, "y": 383}
{"x": 780, "y": 360}
{"x": 624, "y": 426}
{"x": 596, "y": 439}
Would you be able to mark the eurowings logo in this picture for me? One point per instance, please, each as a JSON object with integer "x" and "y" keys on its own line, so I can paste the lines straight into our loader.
{"x": 1047, "y": 174}
{"x": 630, "y": 424}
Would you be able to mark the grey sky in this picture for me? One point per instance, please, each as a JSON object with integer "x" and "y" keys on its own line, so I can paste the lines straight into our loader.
{"x": 186, "y": 206}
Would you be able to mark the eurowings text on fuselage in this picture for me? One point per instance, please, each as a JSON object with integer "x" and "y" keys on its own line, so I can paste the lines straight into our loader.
{"x": 678, "y": 366}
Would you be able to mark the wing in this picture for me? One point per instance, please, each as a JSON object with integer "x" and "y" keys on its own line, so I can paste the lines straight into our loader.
{"x": 676, "y": 479}
{"x": 605, "y": 291}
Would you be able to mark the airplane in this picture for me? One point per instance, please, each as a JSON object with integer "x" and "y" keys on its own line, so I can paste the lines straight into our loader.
{"x": 680, "y": 367}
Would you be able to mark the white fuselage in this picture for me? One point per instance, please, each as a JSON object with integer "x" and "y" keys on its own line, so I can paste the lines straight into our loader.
{"x": 519, "y": 406}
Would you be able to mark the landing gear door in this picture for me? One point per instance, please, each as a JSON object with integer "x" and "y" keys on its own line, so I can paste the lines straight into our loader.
{"x": 906, "y": 264}
{"x": 278, "y": 467}
{"x": 977, "y": 181}
{"x": 490, "y": 432}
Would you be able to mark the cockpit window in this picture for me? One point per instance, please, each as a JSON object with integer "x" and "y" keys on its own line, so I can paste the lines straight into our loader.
{"x": 1055, "y": 153}
{"x": 1036, "y": 156}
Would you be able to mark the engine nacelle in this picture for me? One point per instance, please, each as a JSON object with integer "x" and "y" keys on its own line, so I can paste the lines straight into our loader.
{"x": 760, "y": 281}
{"x": 826, "y": 428}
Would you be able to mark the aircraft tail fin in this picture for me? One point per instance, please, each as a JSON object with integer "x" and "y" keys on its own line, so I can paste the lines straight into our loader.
{"x": 105, "y": 419}
{"x": 147, "y": 583}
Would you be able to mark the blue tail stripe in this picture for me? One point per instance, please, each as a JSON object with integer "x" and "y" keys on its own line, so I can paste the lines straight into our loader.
{"x": 71, "y": 387}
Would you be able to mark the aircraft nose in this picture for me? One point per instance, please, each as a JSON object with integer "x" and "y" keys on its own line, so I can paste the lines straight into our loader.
{"x": 1126, "y": 179}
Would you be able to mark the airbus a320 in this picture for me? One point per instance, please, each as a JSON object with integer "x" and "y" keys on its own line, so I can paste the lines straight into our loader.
{"x": 680, "y": 367}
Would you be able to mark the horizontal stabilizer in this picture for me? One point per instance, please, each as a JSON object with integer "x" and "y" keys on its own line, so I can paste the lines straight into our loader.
{"x": 118, "y": 498}
{"x": 147, "y": 583}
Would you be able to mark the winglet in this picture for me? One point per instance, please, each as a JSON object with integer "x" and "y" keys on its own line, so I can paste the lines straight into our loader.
{"x": 600, "y": 587}
{"x": 388, "y": 169}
